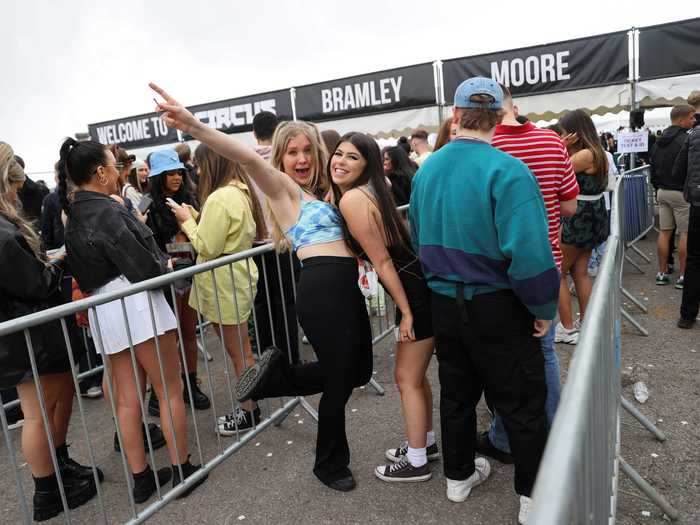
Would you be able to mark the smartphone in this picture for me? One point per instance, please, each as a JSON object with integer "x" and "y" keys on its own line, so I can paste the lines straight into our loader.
{"x": 171, "y": 201}
{"x": 145, "y": 203}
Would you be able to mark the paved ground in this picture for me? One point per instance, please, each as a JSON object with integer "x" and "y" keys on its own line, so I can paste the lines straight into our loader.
{"x": 270, "y": 480}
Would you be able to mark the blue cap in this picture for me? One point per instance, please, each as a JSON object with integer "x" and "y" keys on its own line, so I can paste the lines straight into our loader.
{"x": 164, "y": 160}
{"x": 478, "y": 86}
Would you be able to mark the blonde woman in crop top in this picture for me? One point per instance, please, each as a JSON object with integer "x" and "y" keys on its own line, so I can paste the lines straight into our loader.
{"x": 330, "y": 307}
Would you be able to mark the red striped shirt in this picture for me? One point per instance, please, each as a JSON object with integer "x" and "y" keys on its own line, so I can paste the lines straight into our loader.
{"x": 544, "y": 153}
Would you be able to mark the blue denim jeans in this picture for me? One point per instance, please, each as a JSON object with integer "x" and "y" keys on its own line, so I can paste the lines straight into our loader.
{"x": 497, "y": 433}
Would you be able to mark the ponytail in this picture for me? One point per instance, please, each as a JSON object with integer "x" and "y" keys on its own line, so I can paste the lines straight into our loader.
{"x": 77, "y": 162}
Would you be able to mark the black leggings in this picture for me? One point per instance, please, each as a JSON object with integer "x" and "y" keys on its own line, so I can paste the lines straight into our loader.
{"x": 334, "y": 317}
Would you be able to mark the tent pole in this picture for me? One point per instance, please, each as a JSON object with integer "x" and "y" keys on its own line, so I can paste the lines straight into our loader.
{"x": 633, "y": 88}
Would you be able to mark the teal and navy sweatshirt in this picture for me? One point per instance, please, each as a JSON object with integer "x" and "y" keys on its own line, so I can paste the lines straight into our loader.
{"x": 477, "y": 217}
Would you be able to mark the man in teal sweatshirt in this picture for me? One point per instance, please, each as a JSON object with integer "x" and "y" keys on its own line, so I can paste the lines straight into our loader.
{"x": 479, "y": 225}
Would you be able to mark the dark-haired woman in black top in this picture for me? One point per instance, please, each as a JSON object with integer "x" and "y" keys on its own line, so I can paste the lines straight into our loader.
{"x": 399, "y": 169}
{"x": 378, "y": 233}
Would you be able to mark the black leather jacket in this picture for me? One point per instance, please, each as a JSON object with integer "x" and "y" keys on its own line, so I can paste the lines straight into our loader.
{"x": 27, "y": 285}
{"x": 104, "y": 241}
{"x": 687, "y": 166}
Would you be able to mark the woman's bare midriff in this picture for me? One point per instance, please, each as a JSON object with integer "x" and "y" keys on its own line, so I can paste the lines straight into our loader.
{"x": 328, "y": 249}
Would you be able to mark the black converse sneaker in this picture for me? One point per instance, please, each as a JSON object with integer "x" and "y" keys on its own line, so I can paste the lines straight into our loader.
{"x": 395, "y": 454}
{"x": 403, "y": 471}
{"x": 251, "y": 384}
{"x": 239, "y": 420}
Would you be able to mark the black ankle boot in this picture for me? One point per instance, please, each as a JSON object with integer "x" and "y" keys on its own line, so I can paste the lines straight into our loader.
{"x": 187, "y": 470}
{"x": 145, "y": 482}
{"x": 156, "y": 434}
{"x": 71, "y": 468}
{"x": 47, "y": 497}
{"x": 201, "y": 401}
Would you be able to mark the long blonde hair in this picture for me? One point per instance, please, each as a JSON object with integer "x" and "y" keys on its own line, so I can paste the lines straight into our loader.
{"x": 216, "y": 172}
{"x": 12, "y": 172}
{"x": 318, "y": 184}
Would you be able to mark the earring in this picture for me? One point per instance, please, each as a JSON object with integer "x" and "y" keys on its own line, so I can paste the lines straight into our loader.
{"x": 103, "y": 181}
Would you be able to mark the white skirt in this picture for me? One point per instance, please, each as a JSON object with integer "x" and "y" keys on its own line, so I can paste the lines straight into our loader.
{"x": 110, "y": 317}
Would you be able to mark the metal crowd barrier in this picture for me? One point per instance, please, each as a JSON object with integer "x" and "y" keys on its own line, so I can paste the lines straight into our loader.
{"x": 578, "y": 478}
{"x": 222, "y": 378}
{"x": 637, "y": 221}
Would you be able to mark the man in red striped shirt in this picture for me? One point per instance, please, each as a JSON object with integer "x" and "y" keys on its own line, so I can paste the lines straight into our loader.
{"x": 544, "y": 153}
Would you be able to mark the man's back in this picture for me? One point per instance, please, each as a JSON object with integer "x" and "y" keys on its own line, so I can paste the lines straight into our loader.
{"x": 663, "y": 156}
{"x": 544, "y": 153}
{"x": 477, "y": 217}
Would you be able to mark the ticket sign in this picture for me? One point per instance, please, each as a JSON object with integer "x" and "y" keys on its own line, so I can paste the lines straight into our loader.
{"x": 633, "y": 142}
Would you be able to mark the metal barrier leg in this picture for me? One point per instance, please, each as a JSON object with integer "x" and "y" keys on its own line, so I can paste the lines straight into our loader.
{"x": 627, "y": 405}
{"x": 377, "y": 387}
{"x": 632, "y": 298}
{"x": 629, "y": 260}
{"x": 649, "y": 491}
{"x": 634, "y": 322}
{"x": 279, "y": 419}
{"x": 640, "y": 253}
{"x": 307, "y": 406}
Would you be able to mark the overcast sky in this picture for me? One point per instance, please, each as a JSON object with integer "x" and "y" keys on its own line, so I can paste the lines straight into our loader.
{"x": 67, "y": 64}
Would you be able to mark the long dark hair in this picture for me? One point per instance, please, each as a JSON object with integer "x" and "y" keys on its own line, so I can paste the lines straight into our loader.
{"x": 79, "y": 162}
{"x": 579, "y": 122}
{"x": 161, "y": 219}
{"x": 394, "y": 228}
{"x": 216, "y": 171}
{"x": 401, "y": 163}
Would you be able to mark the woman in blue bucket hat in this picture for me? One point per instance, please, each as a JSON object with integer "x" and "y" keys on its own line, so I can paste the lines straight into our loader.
{"x": 168, "y": 179}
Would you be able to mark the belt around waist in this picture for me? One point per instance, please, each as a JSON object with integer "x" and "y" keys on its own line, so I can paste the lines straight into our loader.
{"x": 597, "y": 197}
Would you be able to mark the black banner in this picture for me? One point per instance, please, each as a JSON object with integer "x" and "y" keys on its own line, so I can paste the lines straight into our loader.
{"x": 561, "y": 66}
{"x": 133, "y": 132}
{"x": 230, "y": 116}
{"x": 669, "y": 50}
{"x": 235, "y": 115}
{"x": 378, "y": 92}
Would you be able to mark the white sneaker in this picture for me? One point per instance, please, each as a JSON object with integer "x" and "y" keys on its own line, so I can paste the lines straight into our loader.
{"x": 93, "y": 392}
{"x": 525, "y": 506}
{"x": 564, "y": 335}
{"x": 458, "y": 490}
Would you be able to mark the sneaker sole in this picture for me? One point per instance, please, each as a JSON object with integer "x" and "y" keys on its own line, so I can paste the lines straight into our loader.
{"x": 412, "y": 479}
{"x": 229, "y": 433}
{"x": 252, "y": 377}
{"x": 661, "y": 284}
{"x": 463, "y": 499}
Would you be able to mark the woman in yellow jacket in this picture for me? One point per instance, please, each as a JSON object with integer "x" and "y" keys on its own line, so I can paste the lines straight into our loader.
{"x": 230, "y": 221}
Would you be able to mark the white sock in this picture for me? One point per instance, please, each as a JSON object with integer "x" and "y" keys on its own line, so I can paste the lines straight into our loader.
{"x": 430, "y": 436}
{"x": 417, "y": 456}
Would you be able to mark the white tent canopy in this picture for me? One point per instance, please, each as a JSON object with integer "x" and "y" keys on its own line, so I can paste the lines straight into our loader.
{"x": 666, "y": 91}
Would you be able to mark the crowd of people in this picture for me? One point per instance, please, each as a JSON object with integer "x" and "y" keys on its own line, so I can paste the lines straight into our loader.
{"x": 501, "y": 214}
